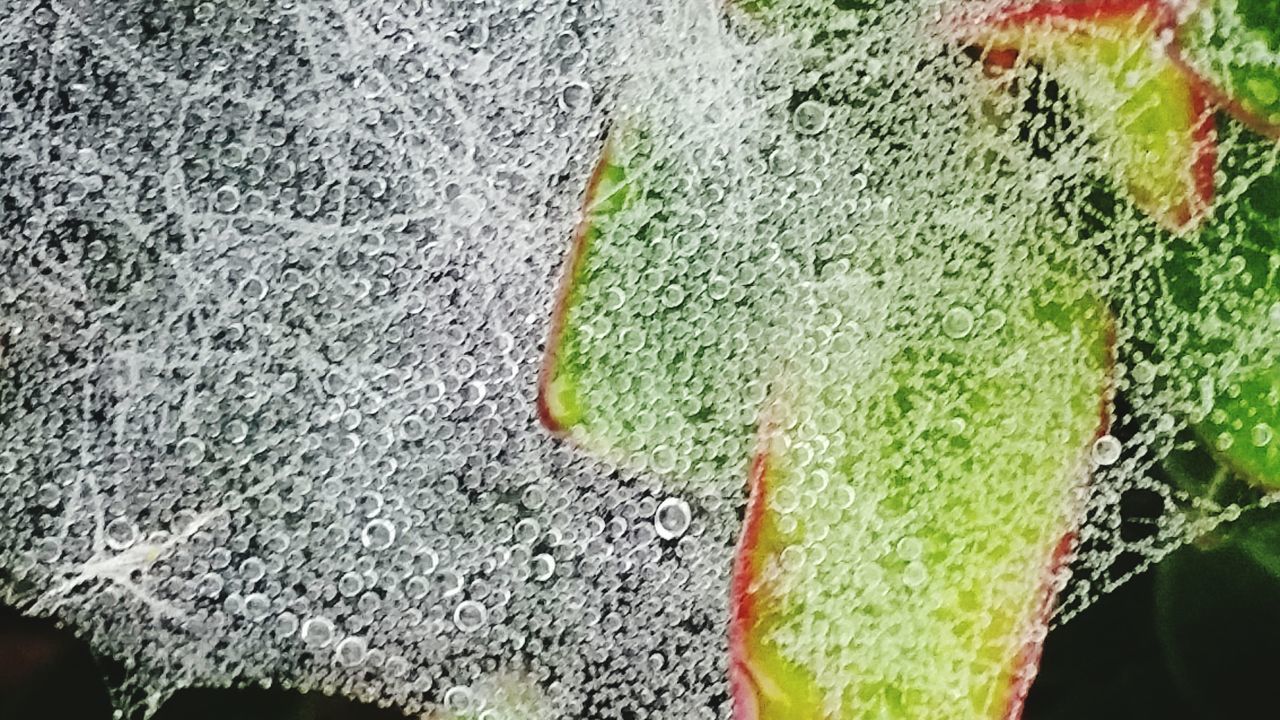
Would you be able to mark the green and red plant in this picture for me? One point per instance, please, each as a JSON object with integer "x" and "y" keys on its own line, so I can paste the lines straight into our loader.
{"x": 1149, "y": 80}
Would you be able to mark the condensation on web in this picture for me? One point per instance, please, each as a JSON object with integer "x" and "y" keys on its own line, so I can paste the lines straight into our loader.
{"x": 277, "y": 279}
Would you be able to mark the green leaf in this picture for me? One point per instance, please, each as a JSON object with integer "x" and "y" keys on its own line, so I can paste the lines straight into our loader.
{"x": 919, "y": 502}
{"x": 1150, "y": 117}
{"x": 656, "y": 361}
{"x": 1218, "y": 614}
{"x": 1235, "y": 46}
{"x": 1216, "y": 335}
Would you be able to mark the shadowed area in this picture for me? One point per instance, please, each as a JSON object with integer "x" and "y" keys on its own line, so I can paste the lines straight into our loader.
{"x": 254, "y": 704}
{"x": 46, "y": 673}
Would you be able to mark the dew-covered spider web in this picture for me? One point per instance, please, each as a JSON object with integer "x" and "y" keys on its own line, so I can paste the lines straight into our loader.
{"x": 305, "y": 380}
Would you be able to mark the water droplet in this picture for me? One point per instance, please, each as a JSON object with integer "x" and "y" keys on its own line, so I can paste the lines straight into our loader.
{"x": 369, "y": 503}
{"x": 671, "y": 519}
{"x": 49, "y": 495}
{"x": 209, "y": 585}
{"x": 568, "y": 43}
{"x": 427, "y": 560}
{"x": 525, "y": 531}
{"x": 957, "y": 322}
{"x": 1106, "y": 450}
{"x": 378, "y": 535}
{"x": 235, "y": 431}
{"x": 317, "y": 631}
{"x": 1144, "y": 372}
{"x": 253, "y": 569}
{"x": 413, "y": 428}
{"x": 450, "y": 583}
{"x": 915, "y": 574}
{"x": 810, "y": 117}
{"x": 416, "y": 587}
{"x": 458, "y": 699}
{"x": 226, "y": 199}
{"x": 470, "y": 615}
{"x": 253, "y": 289}
{"x": 783, "y": 162}
{"x": 190, "y": 451}
{"x": 286, "y": 624}
{"x": 120, "y": 533}
{"x": 576, "y": 97}
{"x": 1225, "y": 441}
{"x": 614, "y": 299}
{"x": 994, "y": 320}
{"x": 350, "y": 584}
{"x": 351, "y": 651}
{"x": 910, "y": 548}
{"x": 256, "y": 606}
{"x": 1261, "y": 435}
{"x": 543, "y": 566}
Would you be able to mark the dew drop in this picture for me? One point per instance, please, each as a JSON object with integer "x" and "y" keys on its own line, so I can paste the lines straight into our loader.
{"x": 378, "y": 535}
{"x": 235, "y": 431}
{"x": 190, "y": 451}
{"x": 120, "y": 533}
{"x": 576, "y": 97}
{"x": 1106, "y": 450}
{"x": 543, "y": 566}
{"x": 257, "y": 606}
{"x": 915, "y": 574}
{"x": 810, "y": 117}
{"x": 317, "y": 631}
{"x": 1261, "y": 435}
{"x": 351, "y": 651}
{"x": 470, "y": 615}
{"x": 957, "y": 322}
{"x": 671, "y": 519}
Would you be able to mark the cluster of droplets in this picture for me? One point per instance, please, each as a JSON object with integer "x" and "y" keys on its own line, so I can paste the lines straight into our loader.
{"x": 966, "y": 368}
{"x": 278, "y": 305}
{"x": 276, "y": 280}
